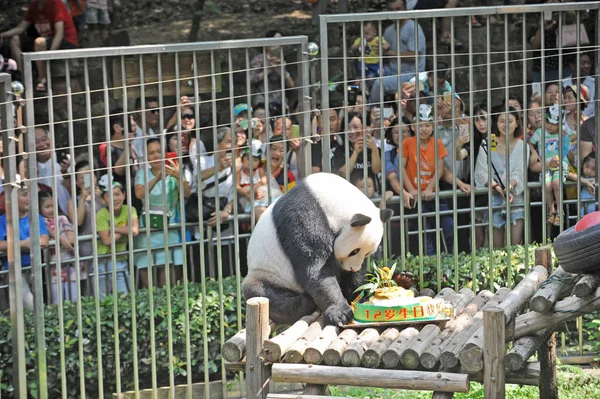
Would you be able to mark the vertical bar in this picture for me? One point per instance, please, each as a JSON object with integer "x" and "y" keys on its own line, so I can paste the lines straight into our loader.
{"x": 94, "y": 266}
{"x": 472, "y": 163}
{"x": 489, "y": 149}
{"x": 182, "y": 231}
{"x": 34, "y": 231}
{"x": 438, "y": 255}
{"x": 15, "y": 277}
{"x": 561, "y": 154}
{"x": 401, "y": 233}
{"x": 526, "y": 206}
{"x": 507, "y": 154}
{"x": 454, "y": 192}
{"x": 543, "y": 138}
{"x": 304, "y": 101}
{"x": 131, "y": 243}
{"x": 325, "y": 137}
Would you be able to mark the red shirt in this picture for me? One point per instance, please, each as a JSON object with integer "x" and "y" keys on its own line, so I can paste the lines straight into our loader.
{"x": 44, "y": 19}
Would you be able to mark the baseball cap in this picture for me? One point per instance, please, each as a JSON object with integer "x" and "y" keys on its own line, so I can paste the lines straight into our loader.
{"x": 256, "y": 149}
{"x": 104, "y": 183}
{"x": 553, "y": 114}
{"x": 424, "y": 113}
{"x": 239, "y": 108}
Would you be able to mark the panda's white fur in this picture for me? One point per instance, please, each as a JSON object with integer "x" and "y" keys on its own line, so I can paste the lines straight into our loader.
{"x": 307, "y": 233}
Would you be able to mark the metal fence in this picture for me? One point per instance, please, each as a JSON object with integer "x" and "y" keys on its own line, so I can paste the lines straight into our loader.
{"x": 89, "y": 326}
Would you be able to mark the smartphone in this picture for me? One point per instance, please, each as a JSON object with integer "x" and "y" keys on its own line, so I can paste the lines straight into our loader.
{"x": 447, "y": 97}
{"x": 228, "y": 155}
{"x": 253, "y": 123}
{"x": 296, "y": 131}
{"x": 171, "y": 156}
{"x": 463, "y": 129}
{"x": 87, "y": 180}
{"x": 352, "y": 93}
{"x": 387, "y": 113}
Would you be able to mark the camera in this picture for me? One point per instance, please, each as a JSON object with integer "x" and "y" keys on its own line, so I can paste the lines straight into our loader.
{"x": 352, "y": 93}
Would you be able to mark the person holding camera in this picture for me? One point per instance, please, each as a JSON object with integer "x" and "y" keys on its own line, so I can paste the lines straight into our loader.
{"x": 161, "y": 206}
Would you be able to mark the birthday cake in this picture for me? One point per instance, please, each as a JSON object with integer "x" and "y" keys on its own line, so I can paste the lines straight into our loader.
{"x": 382, "y": 299}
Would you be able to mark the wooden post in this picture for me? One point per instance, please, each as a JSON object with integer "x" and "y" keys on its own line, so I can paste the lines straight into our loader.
{"x": 257, "y": 331}
{"x": 547, "y": 353}
{"x": 493, "y": 353}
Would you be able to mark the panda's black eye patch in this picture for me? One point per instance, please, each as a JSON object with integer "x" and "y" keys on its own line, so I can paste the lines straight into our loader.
{"x": 356, "y": 251}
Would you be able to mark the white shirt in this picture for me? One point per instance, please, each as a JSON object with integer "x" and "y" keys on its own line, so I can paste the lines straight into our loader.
{"x": 590, "y": 82}
{"x": 225, "y": 188}
{"x": 139, "y": 142}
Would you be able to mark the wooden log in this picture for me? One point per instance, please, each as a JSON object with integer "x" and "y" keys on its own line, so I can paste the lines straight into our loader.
{"x": 427, "y": 292}
{"x": 391, "y": 356}
{"x": 586, "y": 285}
{"x": 372, "y": 356}
{"x": 316, "y": 349}
{"x": 460, "y": 300}
{"x": 276, "y": 347}
{"x": 557, "y": 285}
{"x": 359, "y": 376}
{"x": 352, "y": 356}
{"x": 564, "y": 310}
{"x": 430, "y": 356}
{"x": 296, "y": 352}
{"x": 529, "y": 375}
{"x": 333, "y": 354}
{"x": 234, "y": 349}
{"x": 257, "y": 331}
{"x": 494, "y": 321}
{"x": 547, "y": 354}
{"x": 410, "y": 355}
{"x": 523, "y": 349}
{"x": 471, "y": 353}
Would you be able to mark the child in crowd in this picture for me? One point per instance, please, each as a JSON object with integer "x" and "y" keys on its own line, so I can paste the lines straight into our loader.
{"x": 369, "y": 46}
{"x": 24, "y": 242}
{"x": 120, "y": 213}
{"x": 426, "y": 164}
{"x": 278, "y": 158}
{"x": 61, "y": 230}
{"x": 588, "y": 186}
{"x": 552, "y": 144}
{"x": 97, "y": 17}
{"x": 357, "y": 178}
{"x": 258, "y": 179}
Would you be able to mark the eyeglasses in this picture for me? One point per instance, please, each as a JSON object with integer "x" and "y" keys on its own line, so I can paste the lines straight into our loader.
{"x": 187, "y": 116}
{"x": 153, "y": 111}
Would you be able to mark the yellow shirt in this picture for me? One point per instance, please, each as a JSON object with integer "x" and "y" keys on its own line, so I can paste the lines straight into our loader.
{"x": 371, "y": 50}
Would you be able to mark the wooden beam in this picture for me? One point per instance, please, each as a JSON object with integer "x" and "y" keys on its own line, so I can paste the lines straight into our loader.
{"x": 586, "y": 285}
{"x": 333, "y": 355}
{"x": 234, "y": 349}
{"x": 372, "y": 356}
{"x": 352, "y": 356}
{"x": 257, "y": 331}
{"x": 523, "y": 349}
{"x": 316, "y": 349}
{"x": 547, "y": 353}
{"x": 358, "y": 376}
{"x": 558, "y": 284}
{"x": 493, "y": 354}
{"x": 276, "y": 347}
{"x": 295, "y": 354}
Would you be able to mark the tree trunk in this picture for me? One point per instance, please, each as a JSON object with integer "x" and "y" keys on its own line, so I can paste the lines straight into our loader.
{"x": 196, "y": 20}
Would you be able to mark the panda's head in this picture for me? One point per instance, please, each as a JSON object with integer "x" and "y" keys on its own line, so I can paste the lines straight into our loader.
{"x": 359, "y": 239}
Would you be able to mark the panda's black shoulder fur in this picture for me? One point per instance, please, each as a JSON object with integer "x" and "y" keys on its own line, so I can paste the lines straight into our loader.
{"x": 302, "y": 228}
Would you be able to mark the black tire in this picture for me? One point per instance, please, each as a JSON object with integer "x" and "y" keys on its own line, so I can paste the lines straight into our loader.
{"x": 579, "y": 251}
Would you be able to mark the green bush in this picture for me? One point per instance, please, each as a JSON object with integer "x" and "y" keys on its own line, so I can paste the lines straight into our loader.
{"x": 496, "y": 270}
{"x": 125, "y": 339}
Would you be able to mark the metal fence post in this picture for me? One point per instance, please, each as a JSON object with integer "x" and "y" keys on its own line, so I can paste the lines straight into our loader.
{"x": 15, "y": 276}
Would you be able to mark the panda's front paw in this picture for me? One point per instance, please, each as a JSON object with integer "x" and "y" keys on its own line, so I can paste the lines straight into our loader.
{"x": 338, "y": 315}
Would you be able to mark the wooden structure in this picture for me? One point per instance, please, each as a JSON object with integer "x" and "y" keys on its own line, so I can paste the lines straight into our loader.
{"x": 443, "y": 359}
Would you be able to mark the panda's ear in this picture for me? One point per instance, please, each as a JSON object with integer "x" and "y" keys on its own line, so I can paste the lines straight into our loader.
{"x": 385, "y": 215}
{"x": 359, "y": 220}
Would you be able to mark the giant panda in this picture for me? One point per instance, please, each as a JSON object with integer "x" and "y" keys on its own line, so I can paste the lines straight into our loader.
{"x": 307, "y": 250}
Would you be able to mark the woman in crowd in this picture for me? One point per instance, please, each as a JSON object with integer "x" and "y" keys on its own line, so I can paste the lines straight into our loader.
{"x": 86, "y": 209}
{"x": 507, "y": 185}
{"x": 160, "y": 185}
{"x": 394, "y": 156}
{"x": 585, "y": 77}
{"x": 356, "y": 143}
{"x": 480, "y": 134}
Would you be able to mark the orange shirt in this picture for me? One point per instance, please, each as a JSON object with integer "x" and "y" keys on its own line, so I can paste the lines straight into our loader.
{"x": 428, "y": 161}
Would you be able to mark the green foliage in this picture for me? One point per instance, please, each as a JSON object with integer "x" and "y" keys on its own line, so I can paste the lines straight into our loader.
{"x": 125, "y": 339}
{"x": 494, "y": 270}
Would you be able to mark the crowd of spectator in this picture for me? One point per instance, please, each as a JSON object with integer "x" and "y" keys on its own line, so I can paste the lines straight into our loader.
{"x": 149, "y": 178}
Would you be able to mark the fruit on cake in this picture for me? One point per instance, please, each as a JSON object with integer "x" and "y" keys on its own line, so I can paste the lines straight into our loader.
{"x": 388, "y": 298}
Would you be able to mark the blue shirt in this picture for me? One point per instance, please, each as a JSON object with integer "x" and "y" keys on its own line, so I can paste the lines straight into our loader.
{"x": 407, "y": 43}
{"x": 23, "y": 235}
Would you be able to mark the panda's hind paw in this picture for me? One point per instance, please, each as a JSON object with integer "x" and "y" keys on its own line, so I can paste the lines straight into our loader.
{"x": 338, "y": 315}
